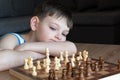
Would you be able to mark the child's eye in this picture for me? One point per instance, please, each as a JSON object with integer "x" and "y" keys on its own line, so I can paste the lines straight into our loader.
{"x": 64, "y": 35}
{"x": 52, "y": 28}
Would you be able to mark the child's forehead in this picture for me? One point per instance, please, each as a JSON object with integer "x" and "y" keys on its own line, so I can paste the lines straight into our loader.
{"x": 60, "y": 21}
{"x": 56, "y": 19}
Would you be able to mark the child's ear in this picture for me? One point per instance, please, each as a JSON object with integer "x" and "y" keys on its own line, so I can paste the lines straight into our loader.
{"x": 34, "y": 23}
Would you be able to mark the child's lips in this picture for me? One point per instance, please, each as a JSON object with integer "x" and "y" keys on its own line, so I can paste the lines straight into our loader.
{"x": 53, "y": 40}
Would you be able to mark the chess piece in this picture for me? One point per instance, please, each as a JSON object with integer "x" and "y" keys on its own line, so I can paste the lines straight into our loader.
{"x": 34, "y": 73}
{"x": 72, "y": 63}
{"x": 47, "y": 51}
{"x": 85, "y": 55}
{"x": 44, "y": 63}
{"x": 55, "y": 75}
{"x": 61, "y": 56}
{"x": 66, "y": 57}
{"x": 47, "y": 69}
{"x": 29, "y": 59}
{"x": 50, "y": 77}
{"x": 101, "y": 63}
{"x": 93, "y": 66}
{"x": 96, "y": 67}
{"x": 69, "y": 69}
{"x": 31, "y": 63}
{"x": 118, "y": 64}
{"x": 88, "y": 68}
{"x": 57, "y": 63}
{"x": 64, "y": 76}
{"x": 26, "y": 67}
{"x": 78, "y": 63}
{"x": 81, "y": 74}
{"x": 73, "y": 57}
{"x": 73, "y": 72}
{"x": 38, "y": 65}
{"x": 80, "y": 56}
{"x": 48, "y": 61}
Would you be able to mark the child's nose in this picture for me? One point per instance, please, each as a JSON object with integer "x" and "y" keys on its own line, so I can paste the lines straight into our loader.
{"x": 59, "y": 36}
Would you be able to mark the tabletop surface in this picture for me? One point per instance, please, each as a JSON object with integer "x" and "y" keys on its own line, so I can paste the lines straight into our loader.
{"x": 110, "y": 53}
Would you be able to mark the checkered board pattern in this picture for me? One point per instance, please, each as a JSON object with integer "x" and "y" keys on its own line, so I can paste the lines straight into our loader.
{"x": 19, "y": 72}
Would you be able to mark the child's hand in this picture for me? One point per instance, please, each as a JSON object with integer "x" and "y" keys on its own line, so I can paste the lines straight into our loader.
{"x": 20, "y": 47}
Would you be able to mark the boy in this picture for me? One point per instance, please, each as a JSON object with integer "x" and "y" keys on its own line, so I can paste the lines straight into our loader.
{"x": 50, "y": 25}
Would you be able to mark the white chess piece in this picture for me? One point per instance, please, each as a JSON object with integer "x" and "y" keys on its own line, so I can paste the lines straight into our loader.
{"x": 26, "y": 67}
{"x": 38, "y": 65}
{"x": 66, "y": 57}
{"x": 73, "y": 57}
{"x": 31, "y": 63}
{"x": 56, "y": 63}
{"x": 80, "y": 55}
{"x": 61, "y": 56}
{"x": 47, "y": 69}
{"x": 72, "y": 63}
{"x": 47, "y": 50}
{"x": 34, "y": 73}
{"x": 85, "y": 55}
{"x": 29, "y": 59}
{"x": 44, "y": 63}
{"x": 48, "y": 61}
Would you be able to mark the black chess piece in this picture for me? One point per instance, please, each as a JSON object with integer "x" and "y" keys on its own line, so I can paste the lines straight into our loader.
{"x": 64, "y": 74}
{"x": 51, "y": 75}
{"x": 55, "y": 77}
{"x": 81, "y": 73}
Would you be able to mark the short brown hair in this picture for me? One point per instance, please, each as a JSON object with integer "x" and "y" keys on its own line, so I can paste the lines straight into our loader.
{"x": 53, "y": 8}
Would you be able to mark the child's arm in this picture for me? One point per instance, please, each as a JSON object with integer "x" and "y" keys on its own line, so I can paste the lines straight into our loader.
{"x": 12, "y": 58}
{"x": 54, "y": 47}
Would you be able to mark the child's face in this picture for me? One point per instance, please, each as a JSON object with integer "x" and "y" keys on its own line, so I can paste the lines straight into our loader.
{"x": 52, "y": 28}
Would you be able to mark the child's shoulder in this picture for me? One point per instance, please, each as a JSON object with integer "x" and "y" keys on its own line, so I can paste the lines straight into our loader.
{"x": 7, "y": 36}
{"x": 13, "y": 36}
{"x": 8, "y": 41}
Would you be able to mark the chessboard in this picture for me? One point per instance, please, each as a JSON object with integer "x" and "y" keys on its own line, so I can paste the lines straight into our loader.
{"x": 78, "y": 69}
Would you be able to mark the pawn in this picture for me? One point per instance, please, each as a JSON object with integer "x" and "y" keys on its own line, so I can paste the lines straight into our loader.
{"x": 78, "y": 63}
{"x": 38, "y": 65}
{"x": 61, "y": 56}
{"x": 101, "y": 65}
{"x": 50, "y": 77}
{"x": 88, "y": 69}
{"x": 73, "y": 72}
{"x": 66, "y": 57}
{"x": 96, "y": 67}
{"x": 64, "y": 74}
{"x": 80, "y": 56}
{"x": 72, "y": 62}
{"x": 118, "y": 64}
{"x": 55, "y": 75}
{"x": 69, "y": 69}
{"x": 44, "y": 63}
{"x": 26, "y": 67}
{"x": 73, "y": 57}
{"x": 34, "y": 73}
{"x": 81, "y": 74}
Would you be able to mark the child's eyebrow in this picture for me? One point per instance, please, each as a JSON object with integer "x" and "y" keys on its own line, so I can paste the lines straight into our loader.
{"x": 57, "y": 25}
{"x": 66, "y": 31}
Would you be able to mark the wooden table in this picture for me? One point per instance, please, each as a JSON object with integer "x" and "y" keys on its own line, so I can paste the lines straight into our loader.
{"x": 110, "y": 53}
